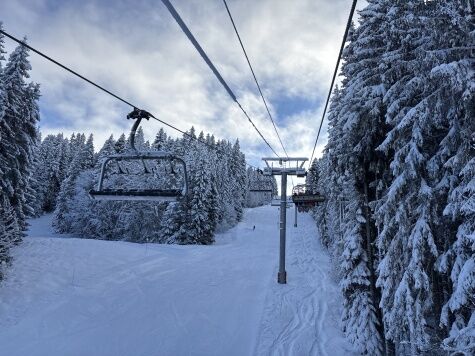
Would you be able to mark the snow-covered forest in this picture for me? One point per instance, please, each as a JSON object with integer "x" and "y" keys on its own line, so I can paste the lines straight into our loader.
{"x": 399, "y": 176}
{"x": 218, "y": 184}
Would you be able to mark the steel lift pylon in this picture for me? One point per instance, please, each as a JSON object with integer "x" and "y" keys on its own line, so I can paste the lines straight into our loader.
{"x": 283, "y": 167}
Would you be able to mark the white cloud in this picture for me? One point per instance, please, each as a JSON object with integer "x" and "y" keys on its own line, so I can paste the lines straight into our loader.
{"x": 135, "y": 49}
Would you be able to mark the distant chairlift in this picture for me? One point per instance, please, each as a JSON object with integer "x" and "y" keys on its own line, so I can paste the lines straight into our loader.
{"x": 155, "y": 194}
{"x": 306, "y": 197}
{"x": 277, "y": 200}
{"x": 261, "y": 187}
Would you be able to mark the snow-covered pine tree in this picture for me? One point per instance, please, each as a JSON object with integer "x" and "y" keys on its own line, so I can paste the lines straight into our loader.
{"x": 451, "y": 78}
{"x": 199, "y": 228}
{"x": 10, "y": 233}
{"x": 251, "y": 197}
{"x": 226, "y": 213}
{"x": 107, "y": 149}
{"x": 412, "y": 230}
{"x": 19, "y": 115}
{"x": 170, "y": 224}
{"x": 359, "y": 313}
{"x": 312, "y": 175}
{"x": 213, "y": 201}
{"x": 327, "y": 214}
{"x": 5, "y": 130}
{"x": 210, "y": 140}
{"x": 160, "y": 140}
{"x": 89, "y": 156}
{"x": 356, "y": 129}
{"x": 329, "y": 175}
{"x": 19, "y": 132}
{"x": 140, "y": 140}
{"x": 120, "y": 145}
{"x": 50, "y": 169}
{"x": 213, "y": 205}
{"x": 63, "y": 219}
{"x": 238, "y": 172}
{"x": 35, "y": 185}
{"x": 459, "y": 311}
{"x": 5, "y": 243}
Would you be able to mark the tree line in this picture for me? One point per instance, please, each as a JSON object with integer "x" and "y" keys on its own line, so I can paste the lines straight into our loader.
{"x": 398, "y": 174}
{"x": 218, "y": 184}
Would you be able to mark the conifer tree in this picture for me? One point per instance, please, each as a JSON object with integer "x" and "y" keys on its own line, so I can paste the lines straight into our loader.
{"x": 413, "y": 230}
{"x": 19, "y": 132}
{"x": 106, "y": 150}
{"x": 238, "y": 171}
{"x": 120, "y": 144}
{"x": 10, "y": 233}
{"x": 169, "y": 224}
{"x": 356, "y": 129}
{"x": 89, "y": 157}
{"x": 453, "y": 167}
{"x": 62, "y": 222}
{"x": 160, "y": 140}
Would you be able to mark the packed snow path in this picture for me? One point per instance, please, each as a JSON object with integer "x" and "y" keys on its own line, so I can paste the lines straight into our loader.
{"x": 68, "y": 296}
{"x": 302, "y": 317}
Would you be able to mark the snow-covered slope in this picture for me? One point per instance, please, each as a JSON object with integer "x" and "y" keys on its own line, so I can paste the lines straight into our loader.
{"x": 68, "y": 296}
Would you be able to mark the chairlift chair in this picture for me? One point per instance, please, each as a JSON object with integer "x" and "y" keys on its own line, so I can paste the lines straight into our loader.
{"x": 155, "y": 194}
{"x": 305, "y": 197}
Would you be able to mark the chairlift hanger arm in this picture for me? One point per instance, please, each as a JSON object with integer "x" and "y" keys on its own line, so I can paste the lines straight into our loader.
{"x": 137, "y": 115}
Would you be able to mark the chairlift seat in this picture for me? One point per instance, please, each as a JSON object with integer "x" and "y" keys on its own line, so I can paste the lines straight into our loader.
{"x": 136, "y": 194}
{"x": 311, "y": 198}
{"x": 305, "y": 197}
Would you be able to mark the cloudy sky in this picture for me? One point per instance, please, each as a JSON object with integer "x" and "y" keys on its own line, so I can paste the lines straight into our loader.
{"x": 135, "y": 49}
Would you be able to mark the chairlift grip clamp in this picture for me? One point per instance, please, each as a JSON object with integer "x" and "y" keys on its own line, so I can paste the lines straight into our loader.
{"x": 136, "y": 114}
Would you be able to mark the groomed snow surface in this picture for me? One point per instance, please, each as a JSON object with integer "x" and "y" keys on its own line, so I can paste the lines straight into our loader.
{"x": 68, "y": 297}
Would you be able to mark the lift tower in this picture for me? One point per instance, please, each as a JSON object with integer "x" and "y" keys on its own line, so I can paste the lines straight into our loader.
{"x": 284, "y": 167}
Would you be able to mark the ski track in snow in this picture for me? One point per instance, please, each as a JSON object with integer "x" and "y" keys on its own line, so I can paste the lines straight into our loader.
{"x": 296, "y": 319}
{"x": 75, "y": 297}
